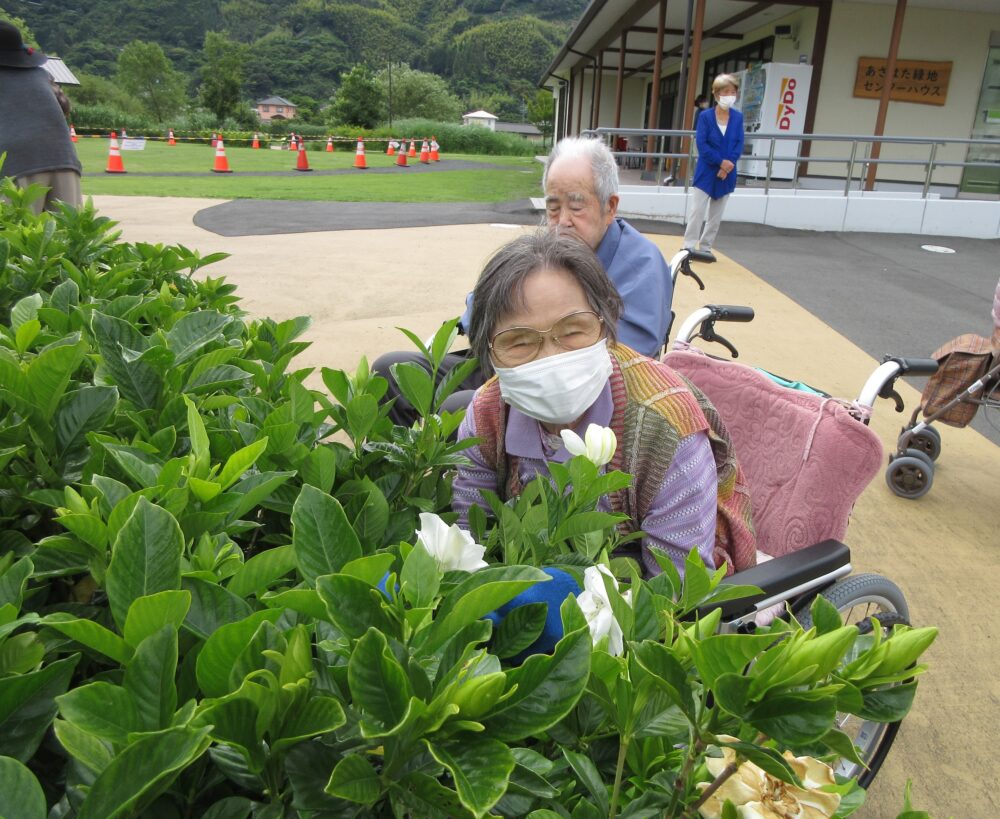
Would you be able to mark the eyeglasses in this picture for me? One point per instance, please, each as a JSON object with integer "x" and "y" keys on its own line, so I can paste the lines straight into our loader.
{"x": 519, "y": 345}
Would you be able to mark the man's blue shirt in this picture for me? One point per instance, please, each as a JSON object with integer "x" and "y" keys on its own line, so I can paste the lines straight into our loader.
{"x": 642, "y": 277}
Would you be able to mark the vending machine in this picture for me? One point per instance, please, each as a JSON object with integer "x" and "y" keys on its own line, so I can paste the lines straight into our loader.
{"x": 773, "y": 98}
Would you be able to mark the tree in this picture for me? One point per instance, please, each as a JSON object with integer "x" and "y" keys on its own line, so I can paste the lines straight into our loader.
{"x": 222, "y": 74}
{"x": 541, "y": 113}
{"x": 359, "y": 99}
{"x": 418, "y": 94}
{"x": 145, "y": 72}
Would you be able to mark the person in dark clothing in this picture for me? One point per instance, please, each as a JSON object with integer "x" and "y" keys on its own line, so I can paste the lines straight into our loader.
{"x": 33, "y": 130}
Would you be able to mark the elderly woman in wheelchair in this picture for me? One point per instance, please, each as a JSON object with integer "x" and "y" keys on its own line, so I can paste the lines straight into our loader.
{"x": 544, "y": 318}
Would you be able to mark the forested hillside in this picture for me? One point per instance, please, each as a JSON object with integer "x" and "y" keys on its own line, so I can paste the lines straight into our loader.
{"x": 485, "y": 49}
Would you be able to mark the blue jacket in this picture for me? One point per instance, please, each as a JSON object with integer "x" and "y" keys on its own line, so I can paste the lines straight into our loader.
{"x": 713, "y": 147}
{"x": 641, "y": 275}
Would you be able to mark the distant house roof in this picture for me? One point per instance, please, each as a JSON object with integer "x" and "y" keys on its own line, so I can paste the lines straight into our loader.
{"x": 276, "y": 101}
{"x": 59, "y": 72}
{"x": 479, "y": 115}
{"x": 525, "y": 128}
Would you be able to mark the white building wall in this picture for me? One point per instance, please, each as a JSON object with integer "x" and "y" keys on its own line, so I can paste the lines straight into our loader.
{"x": 863, "y": 30}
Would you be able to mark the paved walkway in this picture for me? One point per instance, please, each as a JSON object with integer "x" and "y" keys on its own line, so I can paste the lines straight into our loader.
{"x": 828, "y": 306}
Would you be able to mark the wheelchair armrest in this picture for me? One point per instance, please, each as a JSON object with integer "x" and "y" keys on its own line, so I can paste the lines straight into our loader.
{"x": 784, "y": 575}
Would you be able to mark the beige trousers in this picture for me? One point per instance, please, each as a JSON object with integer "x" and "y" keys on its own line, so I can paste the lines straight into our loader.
{"x": 64, "y": 186}
{"x": 704, "y": 219}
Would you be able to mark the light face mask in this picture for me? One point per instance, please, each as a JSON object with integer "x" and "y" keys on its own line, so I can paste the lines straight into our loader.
{"x": 560, "y": 388}
{"x": 727, "y": 101}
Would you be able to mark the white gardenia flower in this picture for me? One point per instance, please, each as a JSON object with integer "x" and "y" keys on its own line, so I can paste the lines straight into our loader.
{"x": 596, "y": 608}
{"x": 451, "y": 547}
{"x": 597, "y": 446}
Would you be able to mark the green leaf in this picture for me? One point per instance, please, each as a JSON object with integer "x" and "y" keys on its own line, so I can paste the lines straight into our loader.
{"x": 102, "y": 709}
{"x": 25, "y": 310}
{"x": 219, "y": 654}
{"x": 321, "y": 534}
{"x": 65, "y": 296}
{"x": 424, "y": 796}
{"x": 888, "y": 704}
{"x": 303, "y": 601}
{"x": 355, "y": 780}
{"x": 143, "y": 771}
{"x": 90, "y": 634}
{"x": 840, "y": 743}
{"x": 371, "y": 569}
{"x": 824, "y": 615}
{"x": 137, "y": 381}
{"x": 231, "y": 807}
{"x": 212, "y": 606}
{"x": 21, "y": 797}
{"x": 319, "y": 468}
{"x": 88, "y": 528}
{"x": 697, "y": 582}
{"x": 81, "y": 411}
{"x": 261, "y": 570}
{"x": 319, "y": 715}
{"x": 545, "y": 688}
{"x": 146, "y": 558}
{"x": 13, "y": 582}
{"x": 479, "y": 766}
{"x": 586, "y": 771}
{"x": 240, "y": 461}
{"x": 767, "y": 759}
{"x": 353, "y": 605}
{"x": 193, "y": 331}
{"x": 234, "y": 723}
{"x": 379, "y": 685}
{"x": 727, "y": 653}
{"x": 149, "y": 614}
{"x": 663, "y": 665}
{"x": 197, "y": 433}
{"x": 416, "y": 385}
{"x": 149, "y": 678}
{"x": 25, "y": 334}
{"x": 27, "y": 706}
{"x": 216, "y": 378}
{"x": 94, "y": 753}
{"x": 794, "y": 718}
{"x": 420, "y": 578}
{"x": 49, "y": 374}
{"x": 203, "y": 490}
{"x": 519, "y": 629}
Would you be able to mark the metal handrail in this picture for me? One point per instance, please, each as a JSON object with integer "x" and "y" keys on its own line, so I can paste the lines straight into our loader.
{"x": 929, "y": 163}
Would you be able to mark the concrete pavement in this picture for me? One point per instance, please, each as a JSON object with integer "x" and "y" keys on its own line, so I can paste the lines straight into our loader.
{"x": 823, "y": 316}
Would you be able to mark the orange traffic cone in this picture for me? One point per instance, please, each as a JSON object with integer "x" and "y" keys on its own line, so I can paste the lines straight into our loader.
{"x": 221, "y": 163}
{"x": 435, "y": 156}
{"x": 303, "y": 162}
{"x": 401, "y": 158}
{"x": 215, "y": 139}
{"x": 390, "y": 149}
{"x": 114, "y": 157}
{"x": 124, "y": 135}
{"x": 293, "y": 145}
{"x": 413, "y": 148}
{"x": 256, "y": 141}
{"x": 170, "y": 137}
{"x": 425, "y": 153}
{"x": 359, "y": 156}
{"x": 329, "y": 145}
{"x": 72, "y": 134}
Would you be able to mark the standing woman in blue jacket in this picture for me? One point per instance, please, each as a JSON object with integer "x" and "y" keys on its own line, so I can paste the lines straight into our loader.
{"x": 720, "y": 144}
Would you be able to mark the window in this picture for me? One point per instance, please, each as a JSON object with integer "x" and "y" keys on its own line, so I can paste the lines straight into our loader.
{"x": 265, "y": 108}
{"x": 756, "y": 53}
{"x": 281, "y": 109}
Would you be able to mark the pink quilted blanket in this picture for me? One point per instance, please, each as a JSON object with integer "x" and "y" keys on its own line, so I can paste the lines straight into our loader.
{"x": 805, "y": 457}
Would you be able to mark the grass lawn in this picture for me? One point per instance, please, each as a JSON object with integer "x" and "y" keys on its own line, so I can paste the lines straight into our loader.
{"x": 512, "y": 178}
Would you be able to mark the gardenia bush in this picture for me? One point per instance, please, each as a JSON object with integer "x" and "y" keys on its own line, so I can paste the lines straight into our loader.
{"x": 224, "y": 593}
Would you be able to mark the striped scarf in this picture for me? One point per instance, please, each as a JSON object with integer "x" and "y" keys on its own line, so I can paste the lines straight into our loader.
{"x": 654, "y": 408}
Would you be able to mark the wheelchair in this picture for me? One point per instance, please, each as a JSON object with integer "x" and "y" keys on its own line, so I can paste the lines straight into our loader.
{"x": 796, "y": 447}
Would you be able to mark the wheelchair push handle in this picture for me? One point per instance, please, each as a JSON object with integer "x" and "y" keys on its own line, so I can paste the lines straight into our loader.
{"x": 882, "y": 382}
{"x": 680, "y": 264}
{"x": 701, "y": 324}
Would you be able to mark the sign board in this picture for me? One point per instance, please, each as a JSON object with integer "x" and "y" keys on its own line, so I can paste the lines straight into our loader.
{"x": 919, "y": 81}
{"x": 136, "y": 144}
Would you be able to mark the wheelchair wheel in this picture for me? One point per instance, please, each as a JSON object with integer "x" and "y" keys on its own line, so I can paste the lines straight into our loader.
{"x": 858, "y": 599}
{"x": 928, "y": 441}
{"x": 919, "y": 454}
{"x": 909, "y": 477}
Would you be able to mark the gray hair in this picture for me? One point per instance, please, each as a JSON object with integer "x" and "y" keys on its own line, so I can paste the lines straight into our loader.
{"x": 602, "y": 164}
{"x": 500, "y": 289}
{"x": 723, "y": 80}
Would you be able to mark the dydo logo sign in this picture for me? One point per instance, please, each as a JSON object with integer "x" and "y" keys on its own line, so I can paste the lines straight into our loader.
{"x": 787, "y": 106}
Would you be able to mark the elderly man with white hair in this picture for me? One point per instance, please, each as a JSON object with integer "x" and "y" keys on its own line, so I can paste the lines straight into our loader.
{"x": 581, "y": 200}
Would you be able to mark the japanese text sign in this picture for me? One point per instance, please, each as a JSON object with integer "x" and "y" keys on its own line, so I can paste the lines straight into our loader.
{"x": 913, "y": 81}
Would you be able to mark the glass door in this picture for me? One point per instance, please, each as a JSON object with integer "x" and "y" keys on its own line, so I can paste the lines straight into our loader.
{"x": 986, "y": 126}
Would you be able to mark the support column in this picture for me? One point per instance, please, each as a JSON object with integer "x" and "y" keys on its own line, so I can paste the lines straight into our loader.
{"x": 883, "y": 102}
{"x": 579, "y": 101}
{"x": 568, "y": 130}
{"x": 595, "y": 117}
{"x": 818, "y": 58}
{"x": 620, "y": 81}
{"x": 654, "y": 96}
{"x": 692, "y": 80}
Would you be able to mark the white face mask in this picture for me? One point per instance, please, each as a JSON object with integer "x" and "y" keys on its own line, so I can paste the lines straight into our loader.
{"x": 560, "y": 388}
{"x": 727, "y": 101}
